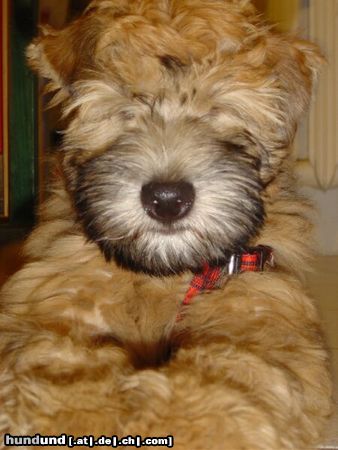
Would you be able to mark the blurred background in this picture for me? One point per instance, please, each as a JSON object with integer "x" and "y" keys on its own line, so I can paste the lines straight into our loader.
{"x": 29, "y": 135}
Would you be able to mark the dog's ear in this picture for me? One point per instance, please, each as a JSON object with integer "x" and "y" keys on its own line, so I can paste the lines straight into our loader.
{"x": 283, "y": 81}
{"x": 296, "y": 69}
{"x": 58, "y": 55}
{"x": 308, "y": 63}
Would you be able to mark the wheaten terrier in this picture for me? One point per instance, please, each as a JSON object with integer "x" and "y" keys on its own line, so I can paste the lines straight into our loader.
{"x": 163, "y": 294}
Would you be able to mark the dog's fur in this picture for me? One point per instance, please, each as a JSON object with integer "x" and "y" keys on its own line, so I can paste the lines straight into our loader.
{"x": 169, "y": 90}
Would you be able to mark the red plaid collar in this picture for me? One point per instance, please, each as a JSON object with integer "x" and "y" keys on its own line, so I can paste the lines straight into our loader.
{"x": 253, "y": 259}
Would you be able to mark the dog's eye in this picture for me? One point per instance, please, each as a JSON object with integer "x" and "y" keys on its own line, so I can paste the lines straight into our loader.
{"x": 232, "y": 146}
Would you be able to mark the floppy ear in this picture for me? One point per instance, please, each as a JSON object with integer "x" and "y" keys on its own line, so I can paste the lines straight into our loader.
{"x": 52, "y": 55}
{"x": 60, "y": 55}
{"x": 296, "y": 71}
{"x": 309, "y": 58}
{"x": 287, "y": 71}
{"x": 273, "y": 96}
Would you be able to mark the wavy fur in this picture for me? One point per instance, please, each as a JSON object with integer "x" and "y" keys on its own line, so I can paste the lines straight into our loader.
{"x": 169, "y": 90}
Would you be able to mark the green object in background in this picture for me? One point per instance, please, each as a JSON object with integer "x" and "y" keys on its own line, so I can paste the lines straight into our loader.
{"x": 22, "y": 123}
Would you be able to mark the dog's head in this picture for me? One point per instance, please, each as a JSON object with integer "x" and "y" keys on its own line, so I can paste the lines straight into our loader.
{"x": 180, "y": 114}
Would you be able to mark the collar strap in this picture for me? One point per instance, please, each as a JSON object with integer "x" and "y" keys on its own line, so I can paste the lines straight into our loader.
{"x": 252, "y": 259}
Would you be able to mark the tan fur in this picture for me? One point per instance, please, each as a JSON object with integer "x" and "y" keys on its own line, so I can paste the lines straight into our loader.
{"x": 83, "y": 342}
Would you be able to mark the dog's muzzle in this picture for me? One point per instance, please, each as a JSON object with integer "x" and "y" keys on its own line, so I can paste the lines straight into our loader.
{"x": 167, "y": 202}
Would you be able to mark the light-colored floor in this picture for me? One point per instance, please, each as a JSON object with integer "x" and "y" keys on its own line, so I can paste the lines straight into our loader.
{"x": 323, "y": 283}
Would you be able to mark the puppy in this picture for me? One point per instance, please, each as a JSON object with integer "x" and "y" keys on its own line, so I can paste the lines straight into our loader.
{"x": 163, "y": 296}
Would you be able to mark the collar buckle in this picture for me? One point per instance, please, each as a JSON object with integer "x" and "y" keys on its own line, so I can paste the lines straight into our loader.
{"x": 253, "y": 259}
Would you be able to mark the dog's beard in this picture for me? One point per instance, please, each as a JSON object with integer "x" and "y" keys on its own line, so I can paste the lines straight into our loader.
{"x": 227, "y": 213}
{"x": 163, "y": 255}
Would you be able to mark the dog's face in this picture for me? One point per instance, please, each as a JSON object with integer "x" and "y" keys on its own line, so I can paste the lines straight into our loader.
{"x": 180, "y": 114}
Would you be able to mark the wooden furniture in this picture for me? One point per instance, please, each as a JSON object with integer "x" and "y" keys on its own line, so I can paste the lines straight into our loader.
{"x": 19, "y": 103}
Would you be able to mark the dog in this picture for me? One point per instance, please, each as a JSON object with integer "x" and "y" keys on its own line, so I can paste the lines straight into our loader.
{"x": 164, "y": 296}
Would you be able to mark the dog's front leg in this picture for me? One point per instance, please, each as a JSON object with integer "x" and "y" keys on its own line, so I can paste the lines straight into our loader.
{"x": 246, "y": 372}
{"x": 193, "y": 400}
{"x": 237, "y": 380}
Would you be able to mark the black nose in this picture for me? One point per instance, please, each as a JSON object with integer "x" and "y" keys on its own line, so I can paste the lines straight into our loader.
{"x": 167, "y": 202}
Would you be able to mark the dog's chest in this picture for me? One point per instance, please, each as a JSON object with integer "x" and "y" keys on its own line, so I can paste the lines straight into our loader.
{"x": 151, "y": 313}
{"x": 139, "y": 316}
